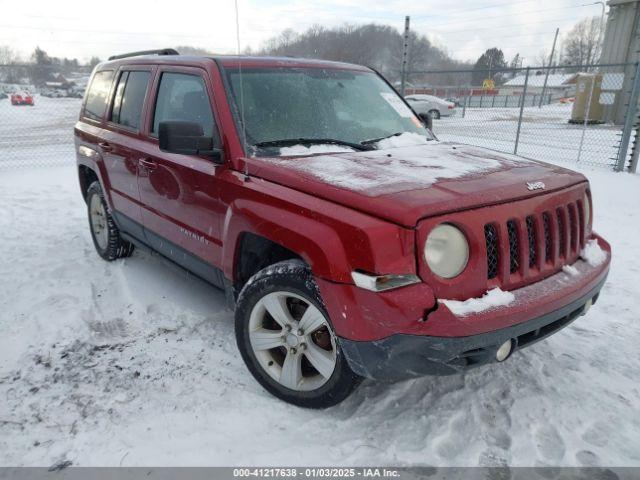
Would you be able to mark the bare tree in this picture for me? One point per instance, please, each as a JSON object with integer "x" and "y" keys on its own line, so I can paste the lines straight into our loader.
{"x": 581, "y": 45}
{"x": 377, "y": 46}
{"x": 8, "y": 55}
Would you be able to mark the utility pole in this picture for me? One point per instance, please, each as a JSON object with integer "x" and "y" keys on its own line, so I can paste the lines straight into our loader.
{"x": 546, "y": 77}
{"x": 405, "y": 55}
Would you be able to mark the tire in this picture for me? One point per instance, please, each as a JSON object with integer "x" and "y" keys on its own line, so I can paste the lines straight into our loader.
{"x": 271, "y": 350}
{"x": 104, "y": 232}
{"x": 435, "y": 114}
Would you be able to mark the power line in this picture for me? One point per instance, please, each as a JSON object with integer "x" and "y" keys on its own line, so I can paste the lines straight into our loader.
{"x": 512, "y": 14}
{"x": 107, "y": 32}
{"x": 519, "y": 25}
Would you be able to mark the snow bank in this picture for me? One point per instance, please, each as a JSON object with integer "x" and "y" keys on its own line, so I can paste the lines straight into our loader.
{"x": 492, "y": 299}
{"x": 404, "y": 140}
{"x": 570, "y": 270}
{"x": 593, "y": 254}
{"x": 298, "y": 150}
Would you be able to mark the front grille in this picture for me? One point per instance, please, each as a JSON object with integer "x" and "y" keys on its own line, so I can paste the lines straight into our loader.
{"x": 533, "y": 244}
{"x": 562, "y": 237}
{"x": 561, "y": 229}
{"x": 514, "y": 247}
{"x": 491, "y": 238}
{"x": 546, "y": 224}
{"x": 573, "y": 227}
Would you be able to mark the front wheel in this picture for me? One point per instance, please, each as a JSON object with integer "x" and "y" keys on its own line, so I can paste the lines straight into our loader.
{"x": 285, "y": 338}
{"x": 435, "y": 114}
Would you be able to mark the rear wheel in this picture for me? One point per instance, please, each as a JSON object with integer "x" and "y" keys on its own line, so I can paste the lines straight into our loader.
{"x": 104, "y": 232}
{"x": 435, "y": 114}
{"x": 286, "y": 339}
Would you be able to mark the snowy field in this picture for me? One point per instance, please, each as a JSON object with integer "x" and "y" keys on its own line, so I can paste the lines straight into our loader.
{"x": 38, "y": 135}
{"x": 135, "y": 362}
{"x": 545, "y": 134}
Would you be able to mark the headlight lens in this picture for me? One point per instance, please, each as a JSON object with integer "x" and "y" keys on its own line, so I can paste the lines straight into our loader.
{"x": 587, "y": 211}
{"x": 446, "y": 251}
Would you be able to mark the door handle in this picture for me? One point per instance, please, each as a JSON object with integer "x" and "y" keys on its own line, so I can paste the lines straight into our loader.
{"x": 148, "y": 164}
{"x": 106, "y": 147}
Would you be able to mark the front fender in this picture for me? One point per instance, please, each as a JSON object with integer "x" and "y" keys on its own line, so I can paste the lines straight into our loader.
{"x": 334, "y": 240}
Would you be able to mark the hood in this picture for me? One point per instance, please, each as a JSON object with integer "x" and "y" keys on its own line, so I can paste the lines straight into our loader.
{"x": 406, "y": 184}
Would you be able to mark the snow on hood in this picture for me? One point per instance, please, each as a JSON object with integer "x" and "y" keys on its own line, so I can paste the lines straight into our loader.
{"x": 404, "y": 140}
{"x": 406, "y": 162}
{"x": 300, "y": 150}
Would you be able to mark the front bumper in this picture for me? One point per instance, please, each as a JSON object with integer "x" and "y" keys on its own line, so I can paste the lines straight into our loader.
{"x": 407, "y": 332}
{"x": 400, "y": 357}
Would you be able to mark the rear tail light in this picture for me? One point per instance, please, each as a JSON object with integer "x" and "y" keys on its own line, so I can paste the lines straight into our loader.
{"x": 450, "y": 107}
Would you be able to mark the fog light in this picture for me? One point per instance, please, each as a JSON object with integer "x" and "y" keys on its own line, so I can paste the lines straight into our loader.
{"x": 504, "y": 351}
{"x": 587, "y": 306}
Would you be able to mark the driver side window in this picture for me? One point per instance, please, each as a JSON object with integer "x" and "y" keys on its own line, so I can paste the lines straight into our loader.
{"x": 183, "y": 97}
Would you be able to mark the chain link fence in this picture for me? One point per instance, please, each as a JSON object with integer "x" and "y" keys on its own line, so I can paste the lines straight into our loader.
{"x": 561, "y": 114}
{"x": 39, "y": 104}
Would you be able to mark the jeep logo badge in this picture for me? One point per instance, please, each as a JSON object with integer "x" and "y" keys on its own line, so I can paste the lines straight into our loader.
{"x": 535, "y": 185}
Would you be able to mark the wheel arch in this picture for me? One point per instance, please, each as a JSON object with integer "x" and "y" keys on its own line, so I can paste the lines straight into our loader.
{"x": 252, "y": 227}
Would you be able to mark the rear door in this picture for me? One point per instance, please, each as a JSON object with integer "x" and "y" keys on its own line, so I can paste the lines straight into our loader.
{"x": 122, "y": 142}
{"x": 181, "y": 208}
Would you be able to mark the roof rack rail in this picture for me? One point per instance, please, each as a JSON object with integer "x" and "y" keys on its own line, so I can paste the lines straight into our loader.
{"x": 162, "y": 51}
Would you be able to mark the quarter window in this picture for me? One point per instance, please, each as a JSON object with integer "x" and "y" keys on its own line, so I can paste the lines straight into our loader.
{"x": 98, "y": 94}
{"x": 183, "y": 97}
{"x": 127, "y": 106}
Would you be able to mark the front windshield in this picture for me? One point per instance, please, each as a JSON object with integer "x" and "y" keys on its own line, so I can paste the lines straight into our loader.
{"x": 318, "y": 103}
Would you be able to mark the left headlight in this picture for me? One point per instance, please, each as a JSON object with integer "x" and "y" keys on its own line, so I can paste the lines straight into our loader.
{"x": 446, "y": 251}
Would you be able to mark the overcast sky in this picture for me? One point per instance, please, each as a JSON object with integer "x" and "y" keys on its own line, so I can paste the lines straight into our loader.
{"x": 82, "y": 28}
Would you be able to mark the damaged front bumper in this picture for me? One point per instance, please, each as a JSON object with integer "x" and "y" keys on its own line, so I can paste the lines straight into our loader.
{"x": 438, "y": 341}
{"x": 400, "y": 357}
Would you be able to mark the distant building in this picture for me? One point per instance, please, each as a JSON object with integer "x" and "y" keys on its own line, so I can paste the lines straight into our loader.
{"x": 558, "y": 84}
{"x": 621, "y": 45}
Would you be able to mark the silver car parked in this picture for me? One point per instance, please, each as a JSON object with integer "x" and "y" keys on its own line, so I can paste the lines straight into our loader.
{"x": 429, "y": 105}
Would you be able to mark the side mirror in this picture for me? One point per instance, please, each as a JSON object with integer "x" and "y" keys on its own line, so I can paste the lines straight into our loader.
{"x": 187, "y": 138}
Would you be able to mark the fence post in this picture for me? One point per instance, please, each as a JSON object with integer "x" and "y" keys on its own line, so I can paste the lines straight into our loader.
{"x": 524, "y": 97}
{"x": 632, "y": 110}
{"x": 466, "y": 99}
{"x": 405, "y": 54}
{"x": 586, "y": 117}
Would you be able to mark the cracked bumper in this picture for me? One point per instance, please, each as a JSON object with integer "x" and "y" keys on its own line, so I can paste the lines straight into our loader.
{"x": 400, "y": 357}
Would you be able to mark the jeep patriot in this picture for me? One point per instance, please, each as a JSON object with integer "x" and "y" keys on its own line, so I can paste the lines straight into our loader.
{"x": 350, "y": 241}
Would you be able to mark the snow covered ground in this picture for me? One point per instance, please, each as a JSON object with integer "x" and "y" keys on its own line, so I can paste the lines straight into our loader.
{"x": 135, "y": 363}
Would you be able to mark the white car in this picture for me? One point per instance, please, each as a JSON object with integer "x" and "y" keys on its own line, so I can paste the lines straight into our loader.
{"x": 429, "y": 105}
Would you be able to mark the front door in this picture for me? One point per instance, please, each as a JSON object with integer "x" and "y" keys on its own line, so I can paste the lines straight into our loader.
{"x": 119, "y": 146}
{"x": 181, "y": 208}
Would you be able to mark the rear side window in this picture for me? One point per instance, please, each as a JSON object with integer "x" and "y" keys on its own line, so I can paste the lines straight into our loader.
{"x": 127, "y": 106}
{"x": 183, "y": 97}
{"x": 98, "y": 94}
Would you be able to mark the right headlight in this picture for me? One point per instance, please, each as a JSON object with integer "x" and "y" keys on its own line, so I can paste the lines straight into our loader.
{"x": 446, "y": 251}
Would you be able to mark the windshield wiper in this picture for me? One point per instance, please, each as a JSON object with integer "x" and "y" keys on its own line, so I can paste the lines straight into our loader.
{"x": 376, "y": 140}
{"x": 287, "y": 142}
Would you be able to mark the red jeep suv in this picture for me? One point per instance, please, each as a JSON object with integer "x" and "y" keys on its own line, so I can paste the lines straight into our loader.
{"x": 350, "y": 241}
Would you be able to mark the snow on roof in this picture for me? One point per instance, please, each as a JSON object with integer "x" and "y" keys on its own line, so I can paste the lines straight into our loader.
{"x": 554, "y": 80}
